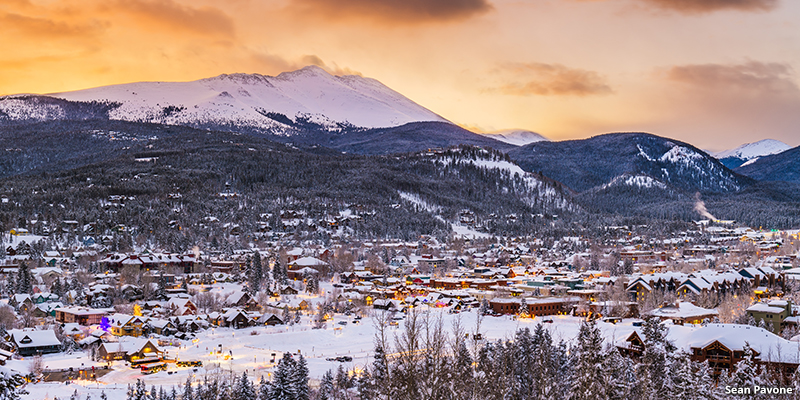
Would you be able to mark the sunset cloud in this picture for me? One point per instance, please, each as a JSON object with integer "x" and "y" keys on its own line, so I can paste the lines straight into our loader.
{"x": 396, "y": 11}
{"x": 706, "y": 6}
{"x": 16, "y": 24}
{"x": 753, "y": 76}
{"x": 554, "y": 80}
{"x": 169, "y": 14}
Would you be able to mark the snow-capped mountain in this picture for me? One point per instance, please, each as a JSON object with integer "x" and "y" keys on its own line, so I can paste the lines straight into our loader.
{"x": 750, "y": 152}
{"x": 517, "y": 137}
{"x": 306, "y": 98}
{"x": 600, "y": 161}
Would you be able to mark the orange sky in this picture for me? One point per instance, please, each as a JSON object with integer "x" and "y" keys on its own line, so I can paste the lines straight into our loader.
{"x": 716, "y": 73}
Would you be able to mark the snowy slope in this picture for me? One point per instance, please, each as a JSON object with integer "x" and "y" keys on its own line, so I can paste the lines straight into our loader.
{"x": 306, "y": 95}
{"x": 517, "y": 137}
{"x": 750, "y": 152}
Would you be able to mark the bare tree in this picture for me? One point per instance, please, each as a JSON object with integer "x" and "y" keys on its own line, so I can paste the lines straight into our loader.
{"x": 732, "y": 308}
{"x": 36, "y": 367}
{"x": 207, "y": 301}
{"x": 8, "y": 319}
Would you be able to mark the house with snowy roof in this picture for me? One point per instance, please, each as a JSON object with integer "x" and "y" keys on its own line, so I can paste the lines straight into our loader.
{"x": 775, "y": 314}
{"x": 723, "y": 345}
{"x": 240, "y": 298}
{"x": 21, "y": 302}
{"x": 29, "y": 342}
{"x": 236, "y": 318}
{"x": 683, "y": 312}
{"x": 126, "y": 325}
{"x": 130, "y": 349}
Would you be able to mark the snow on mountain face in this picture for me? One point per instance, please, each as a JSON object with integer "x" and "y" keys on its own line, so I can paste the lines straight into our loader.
{"x": 539, "y": 192}
{"x": 642, "y": 181}
{"x": 688, "y": 163}
{"x": 749, "y": 151}
{"x": 516, "y": 137}
{"x": 308, "y": 95}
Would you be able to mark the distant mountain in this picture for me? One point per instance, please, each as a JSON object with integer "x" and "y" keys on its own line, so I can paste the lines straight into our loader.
{"x": 517, "y": 137}
{"x": 749, "y": 152}
{"x": 172, "y": 176}
{"x": 308, "y": 106}
{"x": 291, "y": 101}
{"x": 633, "y": 159}
{"x": 783, "y": 166}
{"x": 411, "y": 137}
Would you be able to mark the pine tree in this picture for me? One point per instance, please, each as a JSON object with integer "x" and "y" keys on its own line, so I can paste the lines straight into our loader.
{"x": 744, "y": 375}
{"x": 299, "y": 379}
{"x": 723, "y": 381}
{"x": 11, "y": 287}
{"x": 654, "y": 367}
{"x": 281, "y": 387}
{"x": 153, "y": 395}
{"x": 24, "y": 281}
{"x": 703, "y": 381}
{"x": 263, "y": 389}
{"x": 683, "y": 380}
{"x": 620, "y": 378}
{"x": 225, "y": 391}
{"x": 258, "y": 272}
{"x": 138, "y": 392}
{"x": 462, "y": 375}
{"x": 103, "y": 395}
{"x": 10, "y": 385}
{"x": 326, "y": 386}
{"x": 280, "y": 273}
{"x": 188, "y": 393}
{"x": 523, "y": 386}
{"x": 588, "y": 381}
{"x": 341, "y": 381}
{"x": 364, "y": 386}
{"x": 161, "y": 293}
{"x": 244, "y": 389}
{"x": 380, "y": 374}
{"x": 484, "y": 307}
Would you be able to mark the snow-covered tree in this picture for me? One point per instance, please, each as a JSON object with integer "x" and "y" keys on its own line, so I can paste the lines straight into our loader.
{"x": 620, "y": 375}
{"x": 588, "y": 381}
{"x": 281, "y": 387}
{"x": 188, "y": 393}
{"x": 299, "y": 379}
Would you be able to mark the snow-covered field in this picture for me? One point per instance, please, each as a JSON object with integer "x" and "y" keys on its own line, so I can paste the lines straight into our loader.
{"x": 253, "y": 349}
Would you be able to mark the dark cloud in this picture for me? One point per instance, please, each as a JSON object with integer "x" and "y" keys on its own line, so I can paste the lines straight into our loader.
{"x": 753, "y": 76}
{"x": 706, "y": 6}
{"x": 396, "y": 11}
{"x": 170, "y": 14}
{"x": 553, "y": 80}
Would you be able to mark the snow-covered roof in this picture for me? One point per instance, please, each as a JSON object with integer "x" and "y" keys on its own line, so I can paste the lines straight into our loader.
{"x": 683, "y": 310}
{"x": 308, "y": 262}
{"x": 765, "y": 308}
{"x": 25, "y": 338}
{"x": 769, "y": 346}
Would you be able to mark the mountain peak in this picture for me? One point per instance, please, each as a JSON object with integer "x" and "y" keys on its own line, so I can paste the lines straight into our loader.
{"x": 750, "y": 152}
{"x": 308, "y": 98}
{"x": 517, "y": 137}
{"x": 307, "y": 71}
